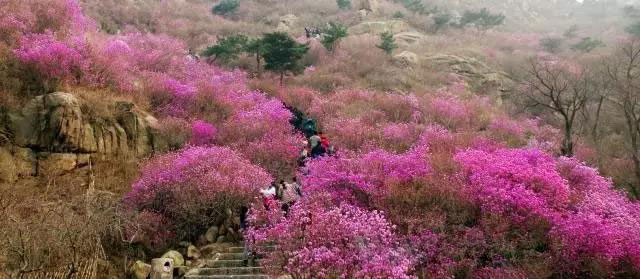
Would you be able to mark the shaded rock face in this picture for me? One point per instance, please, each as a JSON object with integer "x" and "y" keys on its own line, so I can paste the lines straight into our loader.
{"x": 473, "y": 70}
{"x": 51, "y": 136}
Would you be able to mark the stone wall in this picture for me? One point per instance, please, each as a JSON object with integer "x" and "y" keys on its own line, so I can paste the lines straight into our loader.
{"x": 51, "y": 135}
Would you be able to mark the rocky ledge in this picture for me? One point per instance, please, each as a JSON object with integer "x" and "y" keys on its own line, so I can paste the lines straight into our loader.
{"x": 51, "y": 135}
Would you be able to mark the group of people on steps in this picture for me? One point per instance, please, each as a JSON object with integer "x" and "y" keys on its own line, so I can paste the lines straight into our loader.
{"x": 284, "y": 192}
{"x": 315, "y": 145}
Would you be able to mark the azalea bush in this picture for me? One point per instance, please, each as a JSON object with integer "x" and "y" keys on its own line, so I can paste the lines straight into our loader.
{"x": 318, "y": 239}
{"x": 157, "y": 69}
{"x": 364, "y": 179}
{"x": 589, "y": 223}
{"x": 202, "y": 133}
{"x": 191, "y": 188}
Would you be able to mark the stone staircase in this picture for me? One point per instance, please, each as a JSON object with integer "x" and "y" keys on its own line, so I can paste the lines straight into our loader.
{"x": 227, "y": 264}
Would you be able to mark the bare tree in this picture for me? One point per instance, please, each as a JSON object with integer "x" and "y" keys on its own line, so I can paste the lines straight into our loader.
{"x": 561, "y": 89}
{"x": 623, "y": 70}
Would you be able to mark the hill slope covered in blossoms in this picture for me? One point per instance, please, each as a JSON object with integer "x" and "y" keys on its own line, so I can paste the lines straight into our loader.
{"x": 434, "y": 175}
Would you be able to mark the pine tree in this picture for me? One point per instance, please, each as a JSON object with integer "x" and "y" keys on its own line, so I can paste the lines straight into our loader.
{"x": 332, "y": 35}
{"x": 282, "y": 54}
{"x": 255, "y": 47}
{"x": 226, "y": 49}
{"x": 387, "y": 43}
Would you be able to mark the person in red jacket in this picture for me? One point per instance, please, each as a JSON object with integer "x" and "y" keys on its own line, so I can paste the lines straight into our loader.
{"x": 324, "y": 141}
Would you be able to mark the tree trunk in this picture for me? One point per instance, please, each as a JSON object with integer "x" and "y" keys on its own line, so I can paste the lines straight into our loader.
{"x": 594, "y": 131}
{"x": 258, "y": 63}
{"x": 281, "y": 79}
{"x": 567, "y": 144}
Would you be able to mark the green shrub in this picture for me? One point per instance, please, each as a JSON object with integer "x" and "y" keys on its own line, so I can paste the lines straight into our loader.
{"x": 587, "y": 44}
{"x": 634, "y": 29}
{"x": 441, "y": 21}
{"x": 482, "y": 19}
{"x": 344, "y": 4}
{"x": 226, "y": 49}
{"x": 571, "y": 32}
{"x": 415, "y": 6}
{"x": 332, "y": 35}
{"x": 551, "y": 44}
{"x": 225, "y": 7}
{"x": 388, "y": 43}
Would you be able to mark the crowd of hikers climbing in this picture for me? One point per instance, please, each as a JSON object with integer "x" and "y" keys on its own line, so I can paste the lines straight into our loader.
{"x": 315, "y": 145}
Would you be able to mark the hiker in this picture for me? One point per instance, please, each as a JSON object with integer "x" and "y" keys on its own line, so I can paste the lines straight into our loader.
{"x": 280, "y": 190}
{"x": 290, "y": 194}
{"x": 308, "y": 127}
{"x": 246, "y": 254}
{"x": 316, "y": 146}
{"x": 244, "y": 210}
{"x": 268, "y": 195}
{"x": 324, "y": 140}
{"x": 296, "y": 186}
{"x": 318, "y": 151}
{"x": 314, "y": 139}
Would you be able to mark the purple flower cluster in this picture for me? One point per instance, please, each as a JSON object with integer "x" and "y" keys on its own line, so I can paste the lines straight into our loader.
{"x": 190, "y": 188}
{"x": 330, "y": 242}
{"x": 364, "y": 178}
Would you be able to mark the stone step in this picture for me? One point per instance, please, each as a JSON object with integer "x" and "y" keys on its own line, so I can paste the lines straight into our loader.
{"x": 230, "y": 256}
{"x": 245, "y": 276}
{"x": 228, "y": 263}
{"x": 226, "y": 271}
{"x": 240, "y": 249}
{"x": 236, "y": 249}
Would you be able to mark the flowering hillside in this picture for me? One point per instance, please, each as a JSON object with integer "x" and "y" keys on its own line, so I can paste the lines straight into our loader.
{"x": 441, "y": 182}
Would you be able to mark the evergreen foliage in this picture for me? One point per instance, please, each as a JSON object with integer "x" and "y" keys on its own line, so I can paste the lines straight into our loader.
{"x": 227, "y": 48}
{"x": 551, "y": 44}
{"x": 332, "y": 34}
{"x": 482, "y": 19}
{"x": 255, "y": 46}
{"x": 225, "y": 7}
{"x": 587, "y": 44}
{"x": 344, "y": 4}
{"x": 634, "y": 29}
{"x": 441, "y": 21}
{"x": 387, "y": 43}
{"x": 282, "y": 54}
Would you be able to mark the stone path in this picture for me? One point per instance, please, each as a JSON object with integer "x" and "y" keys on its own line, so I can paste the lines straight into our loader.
{"x": 227, "y": 264}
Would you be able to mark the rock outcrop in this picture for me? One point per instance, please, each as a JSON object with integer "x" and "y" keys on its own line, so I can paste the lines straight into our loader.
{"x": 178, "y": 259}
{"x": 406, "y": 39}
{"x": 140, "y": 270}
{"x": 477, "y": 72}
{"x": 406, "y": 58}
{"x": 51, "y": 135}
{"x": 378, "y": 27}
{"x": 287, "y": 22}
